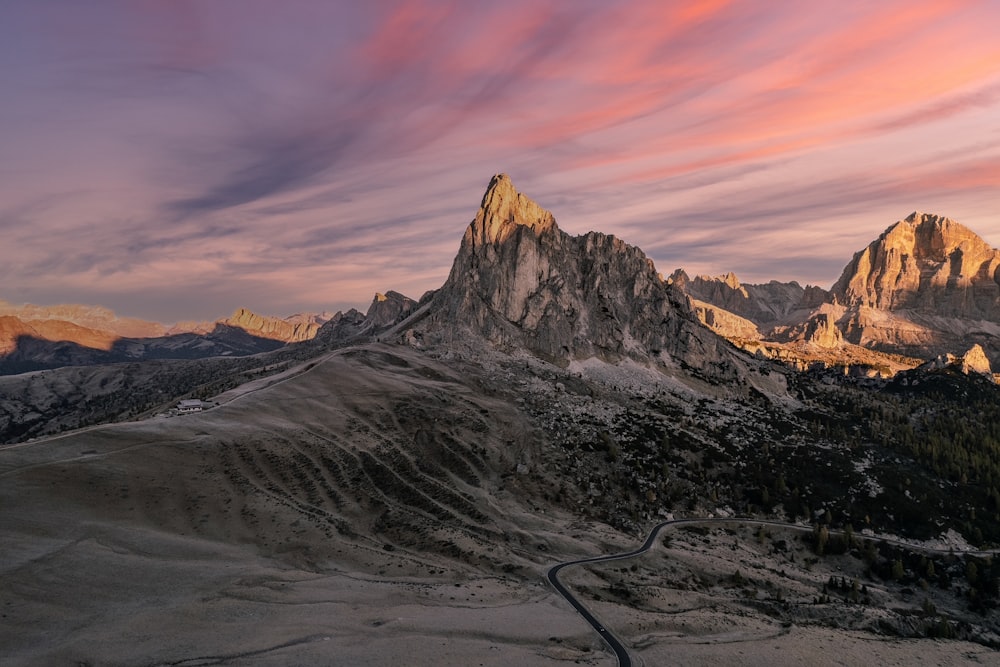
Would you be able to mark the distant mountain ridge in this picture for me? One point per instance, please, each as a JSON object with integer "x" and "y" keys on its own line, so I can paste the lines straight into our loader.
{"x": 926, "y": 288}
{"x": 34, "y": 337}
{"x": 96, "y": 318}
{"x": 59, "y": 336}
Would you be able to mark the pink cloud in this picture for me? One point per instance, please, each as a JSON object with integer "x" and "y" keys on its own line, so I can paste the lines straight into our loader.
{"x": 296, "y": 114}
{"x": 842, "y": 84}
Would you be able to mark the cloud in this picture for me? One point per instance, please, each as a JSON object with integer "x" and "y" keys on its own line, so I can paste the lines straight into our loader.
{"x": 538, "y": 79}
{"x": 275, "y": 163}
{"x": 325, "y": 150}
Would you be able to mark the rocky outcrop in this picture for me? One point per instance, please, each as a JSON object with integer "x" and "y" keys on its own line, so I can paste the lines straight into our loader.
{"x": 389, "y": 308}
{"x": 925, "y": 263}
{"x": 385, "y": 311}
{"x": 821, "y": 329}
{"x": 766, "y": 305}
{"x": 973, "y": 361}
{"x": 521, "y": 282}
{"x": 343, "y": 326}
{"x": 272, "y": 328}
{"x": 725, "y": 323}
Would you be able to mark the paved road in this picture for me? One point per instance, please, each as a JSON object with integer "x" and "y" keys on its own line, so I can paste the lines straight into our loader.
{"x": 624, "y": 658}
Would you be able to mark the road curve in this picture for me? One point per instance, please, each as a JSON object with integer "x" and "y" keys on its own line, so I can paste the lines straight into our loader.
{"x": 612, "y": 640}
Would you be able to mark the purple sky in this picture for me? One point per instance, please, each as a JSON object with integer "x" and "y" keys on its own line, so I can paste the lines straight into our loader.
{"x": 178, "y": 159}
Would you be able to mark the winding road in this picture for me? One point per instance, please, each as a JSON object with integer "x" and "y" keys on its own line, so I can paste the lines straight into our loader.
{"x": 612, "y": 640}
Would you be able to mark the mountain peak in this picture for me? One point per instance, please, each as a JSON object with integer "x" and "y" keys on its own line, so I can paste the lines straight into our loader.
{"x": 504, "y": 209}
{"x": 925, "y": 262}
{"x": 929, "y": 235}
{"x": 518, "y": 281}
{"x": 274, "y": 328}
{"x": 388, "y": 308}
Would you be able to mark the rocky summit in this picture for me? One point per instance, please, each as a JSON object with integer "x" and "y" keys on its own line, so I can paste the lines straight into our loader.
{"x": 520, "y": 281}
{"x": 273, "y": 328}
{"x": 926, "y": 289}
{"x": 925, "y": 263}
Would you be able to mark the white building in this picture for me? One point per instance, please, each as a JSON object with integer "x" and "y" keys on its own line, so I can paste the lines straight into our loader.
{"x": 190, "y": 405}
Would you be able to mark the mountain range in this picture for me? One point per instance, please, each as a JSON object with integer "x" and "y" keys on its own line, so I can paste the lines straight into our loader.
{"x": 394, "y": 488}
{"x": 926, "y": 288}
{"x": 36, "y": 337}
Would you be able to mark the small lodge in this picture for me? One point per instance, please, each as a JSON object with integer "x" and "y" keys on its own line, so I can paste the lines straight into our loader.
{"x": 190, "y": 405}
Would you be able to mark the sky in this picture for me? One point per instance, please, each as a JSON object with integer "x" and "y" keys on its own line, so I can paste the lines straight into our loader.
{"x": 177, "y": 159}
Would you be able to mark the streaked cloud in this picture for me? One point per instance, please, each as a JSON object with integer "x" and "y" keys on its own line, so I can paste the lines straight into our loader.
{"x": 302, "y": 157}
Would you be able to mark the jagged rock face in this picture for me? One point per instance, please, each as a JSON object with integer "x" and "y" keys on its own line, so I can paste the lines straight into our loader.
{"x": 925, "y": 263}
{"x": 764, "y": 305}
{"x": 385, "y": 311}
{"x": 973, "y": 361}
{"x": 389, "y": 308}
{"x": 520, "y": 281}
{"x": 342, "y": 326}
{"x": 821, "y": 329}
{"x": 273, "y": 328}
{"x": 724, "y": 322}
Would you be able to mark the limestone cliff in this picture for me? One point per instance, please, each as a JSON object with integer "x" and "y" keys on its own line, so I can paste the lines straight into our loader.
{"x": 926, "y": 287}
{"x": 272, "y": 328}
{"x": 724, "y": 322}
{"x": 520, "y": 281}
{"x": 820, "y": 329}
{"x": 766, "y": 305}
{"x": 925, "y": 263}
